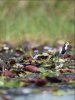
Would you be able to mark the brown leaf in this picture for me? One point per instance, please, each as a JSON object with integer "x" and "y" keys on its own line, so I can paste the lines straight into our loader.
{"x": 7, "y": 73}
{"x": 41, "y": 82}
{"x": 53, "y": 79}
{"x": 31, "y": 68}
{"x": 66, "y": 70}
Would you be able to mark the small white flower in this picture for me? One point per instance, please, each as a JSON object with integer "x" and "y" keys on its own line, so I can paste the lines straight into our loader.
{"x": 59, "y": 66}
{"x": 36, "y": 56}
{"x": 6, "y": 48}
{"x": 45, "y": 54}
{"x": 36, "y": 51}
{"x": 19, "y": 65}
{"x": 47, "y": 48}
{"x": 26, "y": 91}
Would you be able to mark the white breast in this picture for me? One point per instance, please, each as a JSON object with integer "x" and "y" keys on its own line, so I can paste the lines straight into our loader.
{"x": 60, "y": 50}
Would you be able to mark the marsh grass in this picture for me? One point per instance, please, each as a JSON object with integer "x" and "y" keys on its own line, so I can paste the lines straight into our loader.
{"x": 36, "y": 20}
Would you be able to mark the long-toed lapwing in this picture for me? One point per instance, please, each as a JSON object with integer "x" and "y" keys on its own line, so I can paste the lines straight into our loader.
{"x": 61, "y": 51}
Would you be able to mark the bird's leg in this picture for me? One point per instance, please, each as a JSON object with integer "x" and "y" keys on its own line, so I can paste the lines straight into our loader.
{"x": 58, "y": 59}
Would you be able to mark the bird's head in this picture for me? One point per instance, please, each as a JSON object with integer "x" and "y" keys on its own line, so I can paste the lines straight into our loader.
{"x": 67, "y": 46}
{"x": 67, "y": 43}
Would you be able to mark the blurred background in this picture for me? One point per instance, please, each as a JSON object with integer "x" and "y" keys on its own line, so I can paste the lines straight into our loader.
{"x": 36, "y": 21}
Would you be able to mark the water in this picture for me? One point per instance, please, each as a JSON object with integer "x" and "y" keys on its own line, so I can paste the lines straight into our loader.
{"x": 44, "y": 97}
{"x": 39, "y": 94}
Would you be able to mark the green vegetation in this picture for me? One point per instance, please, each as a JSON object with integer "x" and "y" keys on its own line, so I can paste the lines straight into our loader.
{"x": 33, "y": 20}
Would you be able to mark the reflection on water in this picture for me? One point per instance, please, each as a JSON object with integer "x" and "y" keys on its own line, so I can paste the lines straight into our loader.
{"x": 38, "y": 94}
{"x": 44, "y": 97}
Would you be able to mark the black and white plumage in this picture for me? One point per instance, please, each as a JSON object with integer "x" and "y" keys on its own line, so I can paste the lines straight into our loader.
{"x": 61, "y": 51}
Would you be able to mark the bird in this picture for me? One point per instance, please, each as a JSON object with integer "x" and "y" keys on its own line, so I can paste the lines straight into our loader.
{"x": 61, "y": 51}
